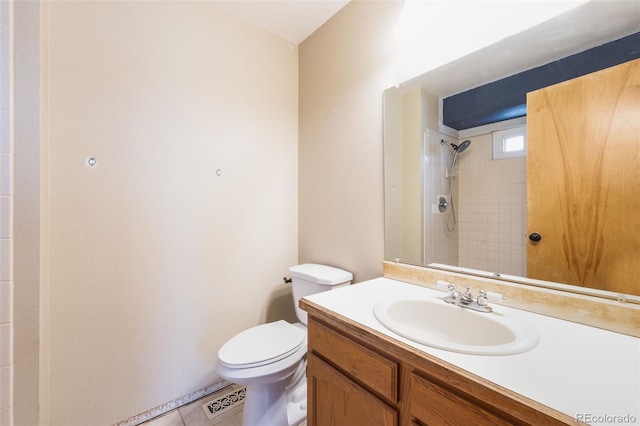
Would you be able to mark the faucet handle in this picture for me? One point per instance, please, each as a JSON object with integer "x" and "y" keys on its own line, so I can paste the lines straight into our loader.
{"x": 442, "y": 285}
{"x": 453, "y": 290}
{"x": 446, "y": 285}
{"x": 484, "y": 296}
{"x": 495, "y": 297}
{"x": 454, "y": 296}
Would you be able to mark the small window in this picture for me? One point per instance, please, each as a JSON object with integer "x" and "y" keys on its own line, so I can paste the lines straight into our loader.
{"x": 510, "y": 143}
{"x": 513, "y": 143}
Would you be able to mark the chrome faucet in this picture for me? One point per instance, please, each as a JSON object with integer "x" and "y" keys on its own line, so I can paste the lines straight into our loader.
{"x": 466, "y": 300}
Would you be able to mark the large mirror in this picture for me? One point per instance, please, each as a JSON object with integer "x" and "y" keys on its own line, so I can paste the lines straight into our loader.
{"x": 453, "y": 199}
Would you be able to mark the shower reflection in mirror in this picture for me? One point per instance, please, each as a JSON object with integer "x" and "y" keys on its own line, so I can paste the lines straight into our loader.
{"x": 455, "y": 151}
{"x": 477, "y": 204}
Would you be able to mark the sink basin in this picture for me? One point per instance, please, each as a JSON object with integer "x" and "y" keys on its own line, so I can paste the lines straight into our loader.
{"x": 432, "y": 322}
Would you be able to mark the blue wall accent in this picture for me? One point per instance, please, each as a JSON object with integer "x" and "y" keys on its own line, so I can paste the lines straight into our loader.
{"x": 505, "y": 99}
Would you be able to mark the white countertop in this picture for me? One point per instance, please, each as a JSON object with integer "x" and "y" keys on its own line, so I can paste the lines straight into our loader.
{"x": 590, "y": 374}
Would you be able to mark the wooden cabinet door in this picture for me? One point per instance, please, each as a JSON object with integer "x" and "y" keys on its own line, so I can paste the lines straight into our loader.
{"x": 583, "y": 180}
{"x": 334, "y": 400}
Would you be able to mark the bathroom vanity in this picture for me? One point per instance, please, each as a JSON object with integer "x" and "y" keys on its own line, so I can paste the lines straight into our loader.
{"x": 360, "y": 373}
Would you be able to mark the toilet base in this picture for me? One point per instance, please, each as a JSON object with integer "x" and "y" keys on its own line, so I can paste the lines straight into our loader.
{"x": 297, "y": 402}
{"x": 280, "y": 403}
{"x": 272, "y": 405}
{"x": 265, "y": 405}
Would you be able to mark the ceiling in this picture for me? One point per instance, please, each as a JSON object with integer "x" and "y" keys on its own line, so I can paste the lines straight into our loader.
{"x": 293, "y": 20}
{"x": 592, "y": 24}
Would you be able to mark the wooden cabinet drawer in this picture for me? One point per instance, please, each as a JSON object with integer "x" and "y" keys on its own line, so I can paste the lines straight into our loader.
{"x": 362, "y": 364}
{"x": 453, "y": 399}
{"x": 434, "y": 405}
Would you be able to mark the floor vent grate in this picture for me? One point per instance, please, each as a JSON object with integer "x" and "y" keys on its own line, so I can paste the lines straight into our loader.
{"x": 225, "y": 401}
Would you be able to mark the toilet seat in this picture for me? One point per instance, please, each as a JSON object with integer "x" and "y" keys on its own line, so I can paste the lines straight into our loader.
{"x": 261, "y": 345}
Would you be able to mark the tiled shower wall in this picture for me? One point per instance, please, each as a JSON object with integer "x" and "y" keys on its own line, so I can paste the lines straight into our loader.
{"x": 6, "y": 218}
{"x": 492, "y": 212}
{"x": 440, "y": 245}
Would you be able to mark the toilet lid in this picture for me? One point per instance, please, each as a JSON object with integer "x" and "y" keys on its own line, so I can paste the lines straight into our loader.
{"x": 262, "y": 344}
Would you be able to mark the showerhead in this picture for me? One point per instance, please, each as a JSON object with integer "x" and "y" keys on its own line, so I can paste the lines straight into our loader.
{"x": 460, "y": 148}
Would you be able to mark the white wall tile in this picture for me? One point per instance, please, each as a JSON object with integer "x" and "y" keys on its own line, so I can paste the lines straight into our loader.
{"x": 6, "y": 220}
{"x": 5, "y": 93}
{"x": 492, "y": 212}
{"x": 5, "y": 302}
{"x": 5, "y": 43}
{"x": 6, "y": 415}
{"x": 5, "y": 260}
{"x": 5, "y": 174}
{"x": 5, "y": 216}
{"x": 6, "y": 340}
{"x": 6, "y": 396}
{"x": 5, "y": 132}
{"x": 4, "y": 13}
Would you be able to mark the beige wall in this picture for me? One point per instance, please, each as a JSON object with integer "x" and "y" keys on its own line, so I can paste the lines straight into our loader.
{"x": 156, "y": 260}
{"x": 6, "y": 217}
{"x": 344, "y": 68}
{"x": 27, "y": 212}
{"x": 393, "y": 166}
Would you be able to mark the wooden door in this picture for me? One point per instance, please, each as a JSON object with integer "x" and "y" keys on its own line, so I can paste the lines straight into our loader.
{"x": 335, "y": 400}
{"x": 583, "y": 180}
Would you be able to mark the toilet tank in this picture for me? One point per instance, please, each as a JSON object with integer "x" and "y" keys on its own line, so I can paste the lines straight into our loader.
{"x": 311, "y": 278}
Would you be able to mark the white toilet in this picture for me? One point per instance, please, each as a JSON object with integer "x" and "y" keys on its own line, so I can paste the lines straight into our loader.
{"x": 270, "y": 359}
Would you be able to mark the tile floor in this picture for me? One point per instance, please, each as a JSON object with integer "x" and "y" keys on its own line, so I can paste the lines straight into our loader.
{"x": 193, "y": 415}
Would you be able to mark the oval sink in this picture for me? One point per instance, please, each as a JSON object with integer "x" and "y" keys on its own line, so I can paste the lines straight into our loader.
{"x": 432, "y": 322}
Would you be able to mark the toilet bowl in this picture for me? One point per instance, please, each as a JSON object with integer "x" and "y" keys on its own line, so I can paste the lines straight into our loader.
{"x": 270, "y": 359}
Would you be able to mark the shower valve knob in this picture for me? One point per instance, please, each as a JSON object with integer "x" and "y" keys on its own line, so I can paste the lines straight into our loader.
{"x": 535, "y": 237}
